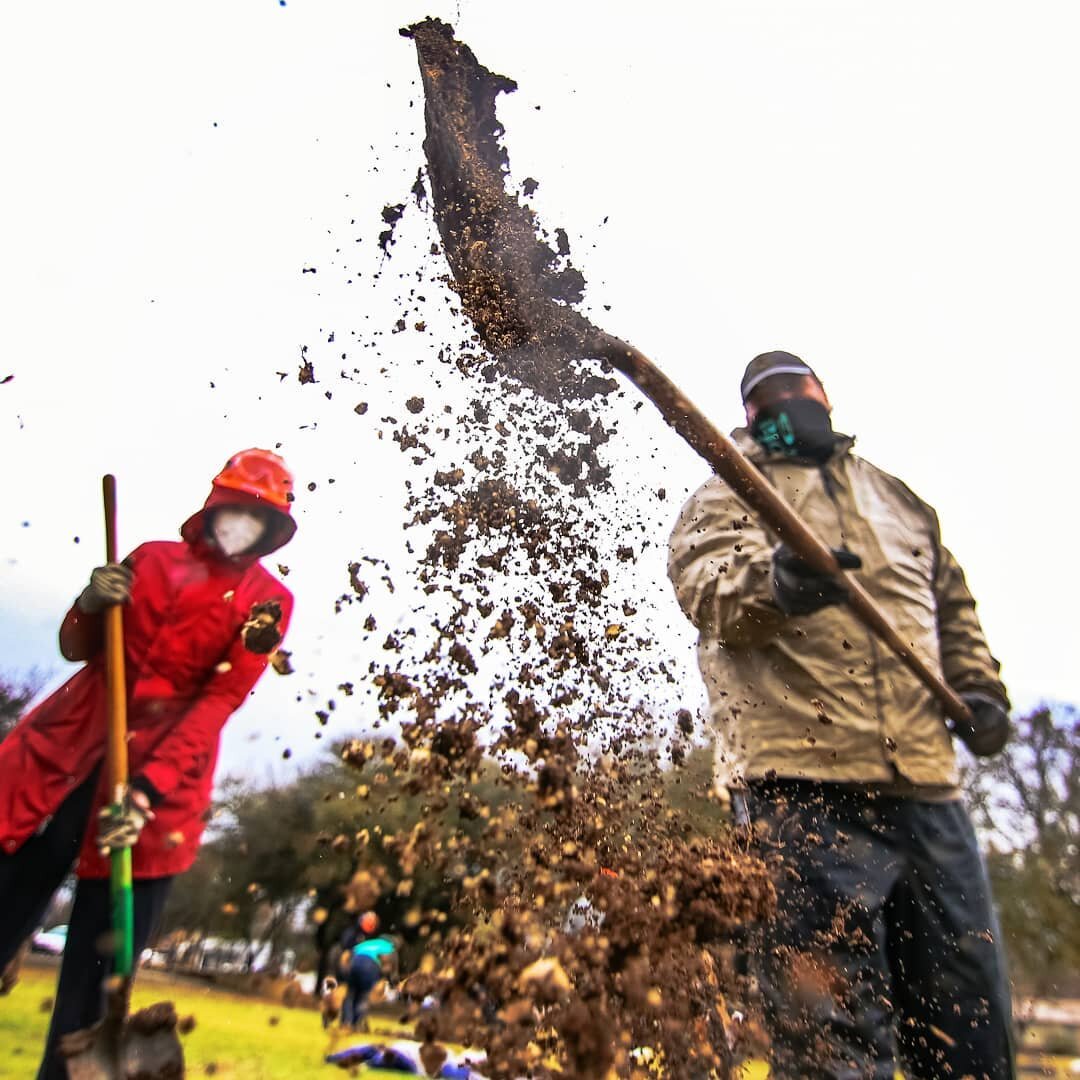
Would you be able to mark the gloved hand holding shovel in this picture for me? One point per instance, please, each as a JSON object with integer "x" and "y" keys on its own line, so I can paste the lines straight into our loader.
{"x": 987, "y": 732}
{"x": 109, "y": 584}
{"x": 799, "y": 589}
{"x": 119, "y": 826}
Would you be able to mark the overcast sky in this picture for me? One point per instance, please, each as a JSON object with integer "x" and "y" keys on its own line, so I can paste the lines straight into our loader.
{"x": 889, "y": 190}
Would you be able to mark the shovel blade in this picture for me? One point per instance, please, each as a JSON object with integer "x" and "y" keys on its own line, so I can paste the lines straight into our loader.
{"x": 145, "y": 1046}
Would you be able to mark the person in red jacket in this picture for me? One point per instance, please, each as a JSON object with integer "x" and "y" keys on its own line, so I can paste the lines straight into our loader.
{"x": 201, "y": 618}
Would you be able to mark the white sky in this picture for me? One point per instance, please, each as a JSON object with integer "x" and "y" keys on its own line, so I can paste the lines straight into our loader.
{"x": 888, "y": 190}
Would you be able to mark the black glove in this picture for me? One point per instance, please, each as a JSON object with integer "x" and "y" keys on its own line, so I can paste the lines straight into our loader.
{"x": 798, "y": 589}
{"x": 988, "y": 731}
{"x": 109, "y": 584}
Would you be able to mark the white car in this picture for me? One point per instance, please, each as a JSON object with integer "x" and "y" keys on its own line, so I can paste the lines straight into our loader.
{"x": 50, "y": 941}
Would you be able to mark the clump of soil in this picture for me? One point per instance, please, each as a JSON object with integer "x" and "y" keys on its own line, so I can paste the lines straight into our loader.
{"x": 261, "y": 631}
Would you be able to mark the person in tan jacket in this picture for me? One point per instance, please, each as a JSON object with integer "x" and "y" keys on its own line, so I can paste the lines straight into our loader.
{"x": 884, "y": 945}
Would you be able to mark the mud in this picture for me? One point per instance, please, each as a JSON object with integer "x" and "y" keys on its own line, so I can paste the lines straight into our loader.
{"x": 261, "y": 631}
{"x": 391, "y": 215}
{"x": 589, "y": 918}
{"x": 143, "y": 1046}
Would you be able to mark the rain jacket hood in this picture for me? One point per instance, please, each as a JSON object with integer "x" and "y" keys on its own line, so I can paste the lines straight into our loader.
{"x": 280, "y": 524}
{"x": 818, "y": 696}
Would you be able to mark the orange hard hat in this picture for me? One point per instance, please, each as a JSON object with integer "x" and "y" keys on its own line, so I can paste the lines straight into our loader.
{"x": 259, "y": 473}
{"x": 369, "y": 922}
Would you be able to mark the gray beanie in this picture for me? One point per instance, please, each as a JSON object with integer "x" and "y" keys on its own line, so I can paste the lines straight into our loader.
{"x": 772, "y": 363}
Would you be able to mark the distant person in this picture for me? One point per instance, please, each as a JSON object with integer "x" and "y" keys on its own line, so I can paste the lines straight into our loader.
{"x": 364, "y": 960}
{"x": 200, "y": 617}
{"x": 331, "y": 1000}
{"x": 885, "y": 942}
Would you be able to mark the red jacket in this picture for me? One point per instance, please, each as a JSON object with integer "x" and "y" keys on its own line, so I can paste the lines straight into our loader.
{"x": 187, "y": 671}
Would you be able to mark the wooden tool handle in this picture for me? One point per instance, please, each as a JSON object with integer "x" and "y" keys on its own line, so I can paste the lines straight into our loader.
{"x": 754, "y": 488}
{"x": 115, "y": 682}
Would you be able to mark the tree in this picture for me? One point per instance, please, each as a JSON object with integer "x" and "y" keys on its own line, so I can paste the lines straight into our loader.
{"x": 249, "y": 881}
{"x": 16, "y": 692}
{"x": 1026, "y": 802}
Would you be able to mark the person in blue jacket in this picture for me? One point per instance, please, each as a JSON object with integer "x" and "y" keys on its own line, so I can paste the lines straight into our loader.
{"x": 366, "y": 955}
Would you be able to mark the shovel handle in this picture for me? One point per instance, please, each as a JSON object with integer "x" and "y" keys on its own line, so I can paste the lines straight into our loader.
{"x": 116, "y": 752}
{"x": 115, "y": 682}
{"x": 754, "y": 488}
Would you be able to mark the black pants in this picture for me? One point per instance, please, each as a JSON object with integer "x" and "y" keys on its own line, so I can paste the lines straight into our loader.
{"x": 885, "y": 946}
{"x": 28, "y": 879}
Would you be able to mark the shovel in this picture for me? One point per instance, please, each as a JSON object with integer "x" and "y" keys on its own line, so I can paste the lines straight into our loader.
{"x": 520, "y": 305}
{"x": 144, "y": 1046}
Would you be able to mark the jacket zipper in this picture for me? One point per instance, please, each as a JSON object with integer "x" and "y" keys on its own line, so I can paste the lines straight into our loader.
{"x": 830, "y": 489}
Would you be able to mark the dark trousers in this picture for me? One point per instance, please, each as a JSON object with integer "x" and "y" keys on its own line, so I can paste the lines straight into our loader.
{"x": 28, "y": 879}
{"x": 30, "y": 876}
{"x": 885, "y": 946}
{"x": 364, "y": 973}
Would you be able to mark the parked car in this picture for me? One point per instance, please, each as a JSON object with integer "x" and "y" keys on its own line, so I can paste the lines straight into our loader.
{"x": 49, "y": 941}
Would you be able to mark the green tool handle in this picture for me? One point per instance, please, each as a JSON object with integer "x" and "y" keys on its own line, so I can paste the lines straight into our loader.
{"x": 123, "y": 910}
{"x": 116, "y": 757}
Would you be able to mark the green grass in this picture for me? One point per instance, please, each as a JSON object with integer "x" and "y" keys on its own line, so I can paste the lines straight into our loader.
{"x": 235, "y": 1038}
{"x": 233, "y": 1035}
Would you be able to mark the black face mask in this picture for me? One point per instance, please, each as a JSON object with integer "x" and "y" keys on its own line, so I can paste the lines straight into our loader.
{"x": 797, "y": 428}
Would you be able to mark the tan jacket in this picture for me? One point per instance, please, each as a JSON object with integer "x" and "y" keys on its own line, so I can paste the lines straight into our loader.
{"x": 818, "y": 696}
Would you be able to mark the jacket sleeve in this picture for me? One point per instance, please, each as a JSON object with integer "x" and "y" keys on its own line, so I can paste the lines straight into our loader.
{"x": 81, "y": 635}
{"x": 193, "y": 740}
{"x": 720, "y": 563}
{"x": 966, "y": 661}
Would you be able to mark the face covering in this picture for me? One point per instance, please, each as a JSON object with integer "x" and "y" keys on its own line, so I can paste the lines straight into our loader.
{"x": 236, "y": 531}
{"x": 797, "y": 428}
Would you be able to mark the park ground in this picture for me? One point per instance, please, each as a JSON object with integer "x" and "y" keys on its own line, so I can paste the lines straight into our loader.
{"x": 244, "y": 1038}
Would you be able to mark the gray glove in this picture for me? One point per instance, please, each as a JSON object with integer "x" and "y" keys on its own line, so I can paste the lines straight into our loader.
{"x": 121, "y": 830}
{"x": 109, "y": 584}
{"x": 988, "y": 731}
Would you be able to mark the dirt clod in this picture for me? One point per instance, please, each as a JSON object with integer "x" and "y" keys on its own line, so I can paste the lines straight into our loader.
{"x": 261, "y": 631}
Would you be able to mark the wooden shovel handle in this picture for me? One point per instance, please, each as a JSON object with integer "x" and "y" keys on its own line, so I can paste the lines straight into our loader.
{"x": 115, "y": 682}
{"x": 753, "y": 487}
